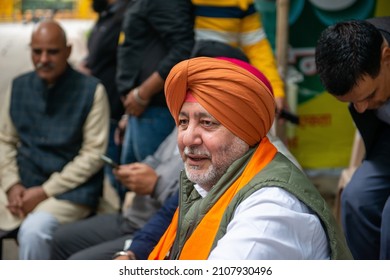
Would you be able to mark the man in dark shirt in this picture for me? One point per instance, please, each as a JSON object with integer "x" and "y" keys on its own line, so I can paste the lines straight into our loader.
{"x": 101, "y": 62}
{"x": 157, "y": 35}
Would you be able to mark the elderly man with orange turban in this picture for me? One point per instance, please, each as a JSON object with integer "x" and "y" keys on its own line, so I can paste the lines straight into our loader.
{"x": 239, "y": 197}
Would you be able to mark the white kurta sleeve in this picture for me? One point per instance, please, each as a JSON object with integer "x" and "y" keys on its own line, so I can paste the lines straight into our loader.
{"x": 272, "y": 224}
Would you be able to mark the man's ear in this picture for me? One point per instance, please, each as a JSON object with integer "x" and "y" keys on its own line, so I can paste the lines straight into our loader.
{"x": 68, "y": 51}
{"x": 386, "y": 52}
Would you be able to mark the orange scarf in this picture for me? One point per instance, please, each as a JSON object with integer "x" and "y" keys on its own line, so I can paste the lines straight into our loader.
{"x": 198, "y": 245}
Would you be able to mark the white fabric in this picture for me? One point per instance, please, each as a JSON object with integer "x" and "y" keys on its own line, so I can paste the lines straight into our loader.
{"x": 244, "y": 38}
{"x": 272, "y": 224}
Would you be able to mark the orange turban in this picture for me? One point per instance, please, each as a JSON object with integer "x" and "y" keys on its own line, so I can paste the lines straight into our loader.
{"x": 231, "y": 94}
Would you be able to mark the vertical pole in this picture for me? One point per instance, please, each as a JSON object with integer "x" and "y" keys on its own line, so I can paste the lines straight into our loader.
{"x": 281, "y": 44}
{"x": 282, "y": 28}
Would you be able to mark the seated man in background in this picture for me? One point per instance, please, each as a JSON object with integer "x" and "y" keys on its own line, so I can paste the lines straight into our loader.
{"x": 153, "y": 181}
{"x": 53, "y": 126}
{"x": 239, "y": 197}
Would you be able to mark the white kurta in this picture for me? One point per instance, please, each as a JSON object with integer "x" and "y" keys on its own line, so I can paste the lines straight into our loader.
{"x": 272, "y": 224}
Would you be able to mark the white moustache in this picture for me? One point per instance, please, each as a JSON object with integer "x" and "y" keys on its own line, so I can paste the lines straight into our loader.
{"x": 41, "y": 65}
{"x": 195, "y": 151}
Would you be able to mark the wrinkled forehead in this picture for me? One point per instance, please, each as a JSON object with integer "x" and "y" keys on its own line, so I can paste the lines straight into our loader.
{"x": 191, "y": 109}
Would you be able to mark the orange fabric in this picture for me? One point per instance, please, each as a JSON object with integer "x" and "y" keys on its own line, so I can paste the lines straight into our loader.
{"x": 231, "y": 94}
{"x": 165, "y": 243}
{"x": 198, "y": 246}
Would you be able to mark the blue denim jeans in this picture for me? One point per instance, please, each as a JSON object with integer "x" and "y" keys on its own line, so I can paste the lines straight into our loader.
{"x": 35, "y": 236}
{"x": 145, "y": 133}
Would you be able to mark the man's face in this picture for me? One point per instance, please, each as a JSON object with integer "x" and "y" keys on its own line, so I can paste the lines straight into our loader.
{"x": 206, "y": 146}
{"x": 368, "y": 93}
{"x": 371, "y": 93}
{"x": 49, "y": 55}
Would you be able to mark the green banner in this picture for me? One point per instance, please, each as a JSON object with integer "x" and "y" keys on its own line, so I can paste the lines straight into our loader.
{"x": 325, "y": 136}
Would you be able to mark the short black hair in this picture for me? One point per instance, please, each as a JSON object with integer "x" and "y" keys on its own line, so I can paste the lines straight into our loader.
{"x": 345, "y": 52}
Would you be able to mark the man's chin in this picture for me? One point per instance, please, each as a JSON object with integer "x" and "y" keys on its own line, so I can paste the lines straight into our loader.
{"x": 47, "y": 78}
{"x": 199, "y": 176}
{"x": 194, "y": 174}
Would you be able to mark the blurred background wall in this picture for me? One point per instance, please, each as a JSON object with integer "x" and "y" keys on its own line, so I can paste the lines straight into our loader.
{"x": 17, "y": 10}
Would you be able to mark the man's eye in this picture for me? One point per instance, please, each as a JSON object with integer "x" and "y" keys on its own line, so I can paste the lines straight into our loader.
{"x": 53, "y": 51}
{"x": 37, "y": 51}
{"x": 208, "y": 123}
{"x": 49, "y": 52}
{"x": 183, "y": 122}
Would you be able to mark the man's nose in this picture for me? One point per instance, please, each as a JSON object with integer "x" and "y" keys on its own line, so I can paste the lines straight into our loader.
{"x": 44, "y": 57}
{"x": 191, "y": 136}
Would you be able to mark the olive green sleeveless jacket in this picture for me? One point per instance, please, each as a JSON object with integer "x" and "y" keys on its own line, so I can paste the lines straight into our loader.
{"x": 280, "y": 172}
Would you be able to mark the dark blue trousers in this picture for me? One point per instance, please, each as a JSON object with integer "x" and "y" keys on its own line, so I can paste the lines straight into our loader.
{"x": 365, "y": 204}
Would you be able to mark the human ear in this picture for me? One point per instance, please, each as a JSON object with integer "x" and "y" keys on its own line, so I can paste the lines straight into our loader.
{"x": 68, "y": 51}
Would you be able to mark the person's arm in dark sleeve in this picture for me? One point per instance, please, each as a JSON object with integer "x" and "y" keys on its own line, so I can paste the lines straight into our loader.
{"x": 174, "y": 21}
{"x": 145, "y": 239}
